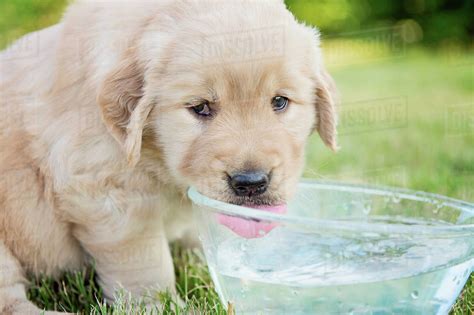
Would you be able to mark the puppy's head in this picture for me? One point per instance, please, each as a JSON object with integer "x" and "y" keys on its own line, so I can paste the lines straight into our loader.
{"x": 230, "y": 95}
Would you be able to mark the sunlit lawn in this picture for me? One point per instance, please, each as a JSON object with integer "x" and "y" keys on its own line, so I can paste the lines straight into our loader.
{"x": 407, "y": 119}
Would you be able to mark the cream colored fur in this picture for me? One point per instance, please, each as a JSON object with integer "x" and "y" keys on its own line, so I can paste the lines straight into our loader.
{"x": 98, "y": 147}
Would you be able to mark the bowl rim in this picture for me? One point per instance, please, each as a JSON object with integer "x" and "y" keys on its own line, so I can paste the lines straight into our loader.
{"x": 356, "y": 225}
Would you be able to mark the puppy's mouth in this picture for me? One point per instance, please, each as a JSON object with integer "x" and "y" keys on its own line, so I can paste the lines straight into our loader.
{"x": 263, "y": 204}
{"x": 253, "y": 227}
{"x": 259, "y": 202}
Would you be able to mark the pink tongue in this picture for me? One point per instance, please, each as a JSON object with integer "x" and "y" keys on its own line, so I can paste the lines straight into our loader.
{"x": 249, "y": 228}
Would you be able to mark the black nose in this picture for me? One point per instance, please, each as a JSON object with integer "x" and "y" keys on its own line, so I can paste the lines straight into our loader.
{"x": 249, "y": 183}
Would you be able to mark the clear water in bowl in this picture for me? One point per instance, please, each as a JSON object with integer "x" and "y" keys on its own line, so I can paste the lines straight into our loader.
{"x": 333, "y": 275}
{"x": 365, "y": 252}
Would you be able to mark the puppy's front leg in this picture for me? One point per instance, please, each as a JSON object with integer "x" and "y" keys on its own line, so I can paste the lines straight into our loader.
{"x": 136, "y": 264}
{"x": 129, "y": 247}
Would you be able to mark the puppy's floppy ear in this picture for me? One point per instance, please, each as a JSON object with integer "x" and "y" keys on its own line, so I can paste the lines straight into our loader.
{"x": 326, "y": 109}
{"x": 123, "y": 105}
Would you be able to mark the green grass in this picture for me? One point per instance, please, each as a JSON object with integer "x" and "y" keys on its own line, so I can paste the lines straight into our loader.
{"x": 422, "y": 135}
{"x": 422, "y": 139}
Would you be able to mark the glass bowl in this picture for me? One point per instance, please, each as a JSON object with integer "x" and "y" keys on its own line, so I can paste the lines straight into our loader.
{"x": 341, "y": 249}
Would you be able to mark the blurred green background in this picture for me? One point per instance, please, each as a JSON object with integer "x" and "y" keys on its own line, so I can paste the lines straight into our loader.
{"x": 430, "y": 22}
{"x": 427, "y": 22}
{"x": 405, "y": 71}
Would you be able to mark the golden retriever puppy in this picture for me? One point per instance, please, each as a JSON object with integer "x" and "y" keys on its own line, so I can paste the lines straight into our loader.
{"x": 122, "y": 106}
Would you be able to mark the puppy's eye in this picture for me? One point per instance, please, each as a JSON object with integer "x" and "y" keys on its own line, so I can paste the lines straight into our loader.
{"x": 280, "y": 103}
{"x": 202, "y": 109}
